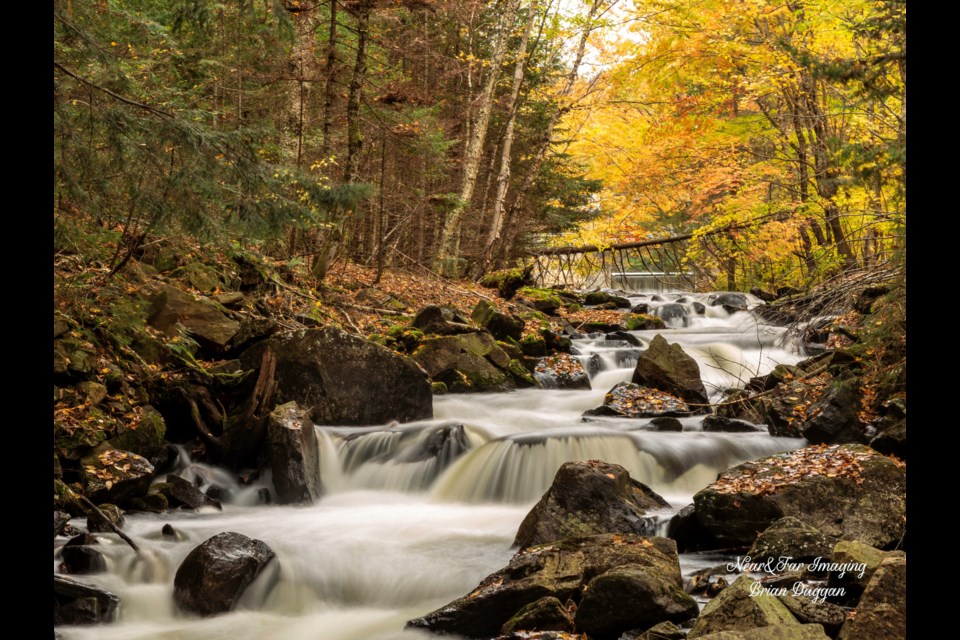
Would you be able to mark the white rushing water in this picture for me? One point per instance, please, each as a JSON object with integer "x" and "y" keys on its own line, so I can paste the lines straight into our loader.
{"x": 416, "y": 515}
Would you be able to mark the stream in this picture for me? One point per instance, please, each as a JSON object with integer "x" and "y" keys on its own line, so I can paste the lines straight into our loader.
{"x": 407, "y": 524}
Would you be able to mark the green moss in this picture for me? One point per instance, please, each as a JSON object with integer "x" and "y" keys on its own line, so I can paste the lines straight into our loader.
{"x": 534, "y": 345}
{"x": 642, "y": 321}
{"x": 438, "y": 388}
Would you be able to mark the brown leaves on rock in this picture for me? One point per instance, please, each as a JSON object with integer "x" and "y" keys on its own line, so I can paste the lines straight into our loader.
{"x": 830, "y": 461}
{"x": 583, "y": 316}
{"x": 636, "y": 400}
{"x": 561, "y": 364}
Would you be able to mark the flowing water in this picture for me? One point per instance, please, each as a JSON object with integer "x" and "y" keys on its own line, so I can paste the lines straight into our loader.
{"x": 416, "y": 515}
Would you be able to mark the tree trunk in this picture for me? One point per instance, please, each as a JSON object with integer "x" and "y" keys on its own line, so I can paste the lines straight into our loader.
{"x": 449, "y": 254}
{"x": 503, "y": 178}
{"x": 329, "y": 92}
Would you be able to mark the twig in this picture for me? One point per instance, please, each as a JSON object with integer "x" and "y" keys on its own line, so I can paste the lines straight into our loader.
{"x": 115, "y": 528}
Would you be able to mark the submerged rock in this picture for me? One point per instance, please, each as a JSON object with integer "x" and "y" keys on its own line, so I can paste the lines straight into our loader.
{"x": 560, "y": 570}
{"x": 666, "y": 367}
{"x": 213, "y": 577}
{"x": 845, "y": 491}
{"x": 588, "y": 498}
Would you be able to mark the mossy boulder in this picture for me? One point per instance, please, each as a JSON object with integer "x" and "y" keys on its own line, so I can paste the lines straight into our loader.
{"x": 643, "y": 322}
{"x": 560, "y": 570}
{"x": 100, "y": 522}
{"x": 740, "y": 607}
{"x": 507, "y": 281}
{"x": 441, "y": 320}
{"x": 437, "y": 355}
{"x": 170, "y": 308}
{"x": 111, "y": 475}
{"x": 792, "y": 538}
{"x": 588, "y": 498}
{"x": 144, "y": 437}
{"x": 882, "y": 610}
{"x": 501, "y": 325}
{"x": 854, "y": 552}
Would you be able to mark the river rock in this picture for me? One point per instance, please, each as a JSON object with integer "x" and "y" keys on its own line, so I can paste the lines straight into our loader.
{"x": 728, "y": 425}
{"x": 892, "y": 439}
{"x": 738, "y": 608}
{"x": 294, "y": 456}
{"x": 630, "y": 597}
{"x": 76, "y": 603}
{"x": 807, "y": 611}
{"x": 666, "y": 423}
{"x": 180, "y": 492}
{"x": 623, "y": 336}
{"x": 562, "y": 371}
{"x": 882, "y": 610}
{"x": 666, "y": 367}
{"x": 834, "y": 417}
{"x": 846, "y": 491}
{"x": 588, "y": 498}
{"x": 791, "y": 538}
{"x": 643, "y": 322}
{"x": 344, "y": 379}
{"x": 170, "y": 307}
{"x": 60, "y": 520}
{"x": 213, "y": 577}
{"x": 97, "y": 523}
{"x": 739, "y": 404}
{"x": 629, "y": 400}
{"x": 113, "y": 476}
{"x": 673, "y": 314}
{"x": 438, "y": 355}
{"x": 738, "y": 301}
{"x": 559, "y": 569}
{"x": 854, "y": 552}
{"x": 501, "y": 325}
{"x": 546, "y": 614}
{"x": 689, "y": 534}
{"x": 602, "y": 297}
{"x": 82, "y": 559}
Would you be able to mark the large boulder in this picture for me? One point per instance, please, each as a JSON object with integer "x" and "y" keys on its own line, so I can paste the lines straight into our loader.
{"x": 144, "y": 437}
{"x": 629, "y": 400}
{"x": 78, "y": 603}
{"x": 882, "y": 610}
{"x": 294, "y": 456}
{"x": 666, "y": 367}
{"x": 846, "y": 491}
{"x": 588, "y": 498}
{"x": 180, "y": 492}
{"x": 673, "y": 314}
{"x": 344, "y": 379}
{"x": 741, "y": 606}
{"x": 434, "y": 319}
{"x": 864, "y": 560}
{"x": 560, "y": 570}
{"x": 631, "y": 597}
{"x": 170, "y": 307}
{"x": 213, "y": 577}
{"x": 114, "y": 476}
{"x": 791, "y": 538}
{"x": 820, "y": 408}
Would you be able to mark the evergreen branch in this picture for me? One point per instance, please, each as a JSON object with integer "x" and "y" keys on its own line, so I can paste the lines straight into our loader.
{"x": 133, "y": 103}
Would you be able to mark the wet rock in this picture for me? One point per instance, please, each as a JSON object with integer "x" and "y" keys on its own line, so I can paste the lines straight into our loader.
{"x": 846, "y": 491}
{"x": 791, "y": 538}
{"x": 181, "y": 492}
{"x": 628, "y": 597}
{"x": 169, "y": 533}
{"x": 60, "y": 520}
{"x": 689, "y": 534}
{"x": 434, "y": 319}
{"x": 736, "y": 301}
{"x": 728, "y": 425}
{"x": 562, "y": 371}
{"x": 629, "y": 400}
{"x": 806, "y": 611}
{"x": 294, "y": 456}
{"x": 476, "y": 373}
{"x": 170, "y": 307}
{"x": 153, "y": 502}
{"x": 623, "y": 336}
{"x": 82, "y": 539}
{"x": 588, "y": 498}
{"x": 642, "y": 307}
{"x": 76, "y": 603}
{"x": 215, "y": 574}
{"x": 344, "y": 379}
{"x": 111, "y": 475}
{"x": 699, "y": 308}
{"x": 834, "y": 417}
{"x": 97, "y": 524}
{"x": 665, "y": 423}
{"x": 546, "y": 614}
{"x": 501, "y": 325}
{"x": 741, "y": 607}
{"x": 642, "y": 322}
{"x": 673, "y": 314}
{"x": 892, "y": 439}
{"x": 82, "y": 559}
{"x": 560, "y": 570}
{"x": 263, "y": 496}
{"x": 666, "y": 367}
{"x": 882, "y": 610}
